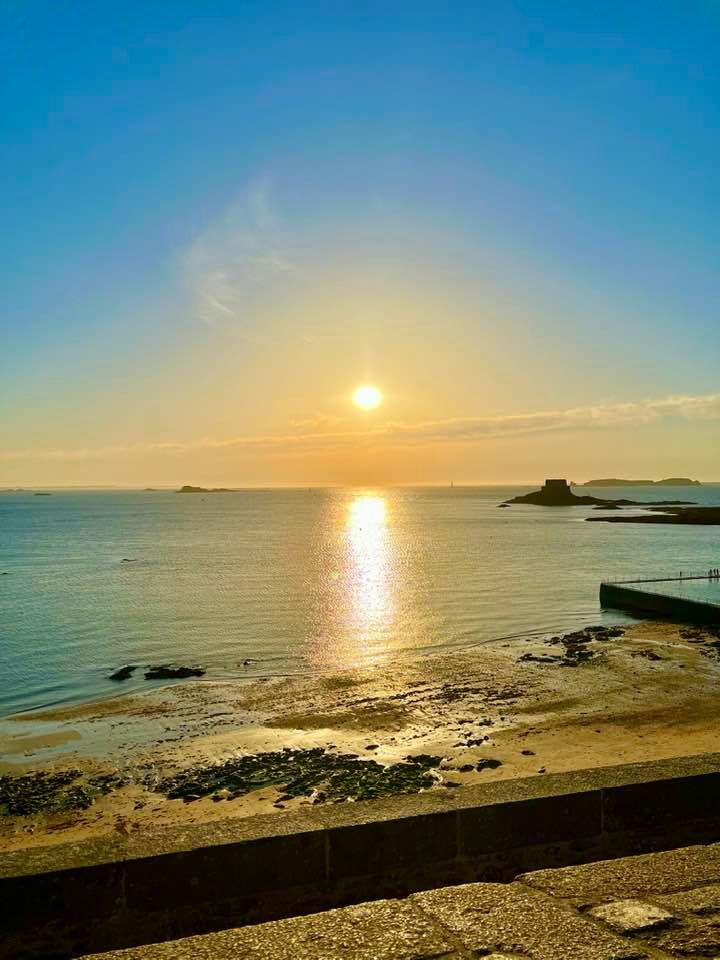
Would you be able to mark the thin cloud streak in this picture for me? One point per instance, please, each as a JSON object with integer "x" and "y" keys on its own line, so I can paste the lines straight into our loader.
{"x": 455, "y": 430}
{"x": 234, "y": 258}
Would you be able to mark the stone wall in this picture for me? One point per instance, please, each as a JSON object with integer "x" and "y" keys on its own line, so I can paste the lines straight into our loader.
{"x": 61, "y": 901}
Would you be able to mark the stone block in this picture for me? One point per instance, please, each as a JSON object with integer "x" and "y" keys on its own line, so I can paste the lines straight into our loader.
{"x": 511, "y": 919}
{"x": 652, "y": 806}
{"x": 632, "y": 916}
{"x": 222, "y": 873}
{"x": 631, "y": 877}
{"x": 702, "y": 900}
{"x": 377, "y": 848}
{"x": 541, "y": 820}
{"x": 384, "y": 930}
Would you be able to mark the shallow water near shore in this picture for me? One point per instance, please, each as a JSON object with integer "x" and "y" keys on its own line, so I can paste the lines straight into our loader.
{"x": 274, "y": 582}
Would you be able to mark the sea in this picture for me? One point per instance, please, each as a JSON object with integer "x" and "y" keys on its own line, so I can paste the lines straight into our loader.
{"x": 279, "y": 582}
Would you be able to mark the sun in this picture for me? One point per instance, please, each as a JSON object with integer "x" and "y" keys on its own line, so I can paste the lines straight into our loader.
{"x": 367, "y": 397}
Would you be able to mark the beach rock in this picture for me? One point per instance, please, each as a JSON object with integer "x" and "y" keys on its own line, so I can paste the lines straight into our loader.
{"x": 576, "y": 646}
{"x": 488, "y": 764}
{"x": 167, "y": 672}
{"x": 124, "y": 673}
{"x": 534, "y": 658}
{"x": 647, "y": 654}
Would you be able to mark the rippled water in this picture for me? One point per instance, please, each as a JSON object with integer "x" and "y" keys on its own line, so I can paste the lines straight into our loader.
{"x": 298, "y": 580}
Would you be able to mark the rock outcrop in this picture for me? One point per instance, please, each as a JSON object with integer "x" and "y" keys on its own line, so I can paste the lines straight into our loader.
{"x": 557, "y": 493}
{"x": 707, "y": 516}
{"x": 167, "y": 672}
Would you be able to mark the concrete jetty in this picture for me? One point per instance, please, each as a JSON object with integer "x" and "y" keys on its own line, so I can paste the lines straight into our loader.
{"x": 646, "y": 597}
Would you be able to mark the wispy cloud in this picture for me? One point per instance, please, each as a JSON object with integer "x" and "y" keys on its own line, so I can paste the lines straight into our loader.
{"x": 236, "y": 257}
{"x": 314, "y": 434}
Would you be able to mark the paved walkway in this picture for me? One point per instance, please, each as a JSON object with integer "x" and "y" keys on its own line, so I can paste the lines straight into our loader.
{"x": 658, "y": 905}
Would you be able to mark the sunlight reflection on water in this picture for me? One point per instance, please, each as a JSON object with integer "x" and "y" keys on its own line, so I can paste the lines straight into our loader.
{"x": 271, "y": 582}
{"x": 368, "y": 584}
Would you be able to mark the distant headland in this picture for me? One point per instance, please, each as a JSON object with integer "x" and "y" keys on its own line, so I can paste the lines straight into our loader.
{"x": 669, "y": 482}
{"x": 557, "y": 493}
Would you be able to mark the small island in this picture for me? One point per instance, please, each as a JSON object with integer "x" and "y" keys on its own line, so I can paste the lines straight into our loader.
{"x": 557, "y": 493}
{"x": 189, "y": 489}
{"x": 668, "y": 482}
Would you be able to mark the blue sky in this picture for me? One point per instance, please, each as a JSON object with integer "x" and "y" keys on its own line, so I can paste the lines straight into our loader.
{"x": 511, "y": 205}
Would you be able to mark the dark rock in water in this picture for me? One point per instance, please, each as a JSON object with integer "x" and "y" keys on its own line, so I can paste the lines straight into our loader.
{"x": 128, "y": 560}
{"x": 557, "y": 493}
{"x": 707, "y": 516}
{"x": 503, "y": 506}
{"x": 167, "y": 672}
{"x": 124, "y": 673}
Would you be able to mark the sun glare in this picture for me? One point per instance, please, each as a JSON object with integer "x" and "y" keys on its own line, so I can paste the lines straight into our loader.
{"x": 367, "y": 397}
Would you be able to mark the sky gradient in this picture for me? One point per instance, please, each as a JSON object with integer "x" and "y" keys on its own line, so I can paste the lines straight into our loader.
{"x": 219, "y": 219}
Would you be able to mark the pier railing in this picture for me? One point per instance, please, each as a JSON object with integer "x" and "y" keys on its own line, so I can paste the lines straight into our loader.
{"x": 677, "y": 576}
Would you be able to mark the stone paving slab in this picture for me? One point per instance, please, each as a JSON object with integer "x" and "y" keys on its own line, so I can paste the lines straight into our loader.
{"x": 384, "y": 930}
{"x": 511, "y": 919}
{"x": 630, "y": 877}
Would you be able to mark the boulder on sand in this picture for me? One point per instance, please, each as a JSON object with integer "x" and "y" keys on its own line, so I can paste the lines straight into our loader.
{"x": 167, "y": 672}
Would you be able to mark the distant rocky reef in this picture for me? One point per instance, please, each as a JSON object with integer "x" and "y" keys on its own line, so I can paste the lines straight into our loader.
{"x": 705, "y": 516}
{"x": 557, "y": 493}
{"x": 668, "y": 482}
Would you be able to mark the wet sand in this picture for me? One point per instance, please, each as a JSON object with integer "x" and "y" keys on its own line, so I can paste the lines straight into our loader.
{"x": 532, "y": 705}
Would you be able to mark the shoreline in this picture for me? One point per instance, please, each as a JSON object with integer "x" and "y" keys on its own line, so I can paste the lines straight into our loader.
{"x": 211, "y": 749}
{"x": 401, "y": 655}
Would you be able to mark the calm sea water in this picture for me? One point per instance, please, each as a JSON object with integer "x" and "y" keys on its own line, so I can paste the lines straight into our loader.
{"x": 296, "y": 580}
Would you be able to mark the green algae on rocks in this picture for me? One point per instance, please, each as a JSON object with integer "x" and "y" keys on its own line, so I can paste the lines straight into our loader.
{"x": 37, "y": 792}
{"x": 303, "y": 773}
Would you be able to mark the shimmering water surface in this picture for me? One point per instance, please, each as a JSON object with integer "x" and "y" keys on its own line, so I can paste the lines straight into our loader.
{"x": 297, "y": 580}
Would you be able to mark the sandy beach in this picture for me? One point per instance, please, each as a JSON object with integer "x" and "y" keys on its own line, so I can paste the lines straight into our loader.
{"x": 204, "y": 750}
